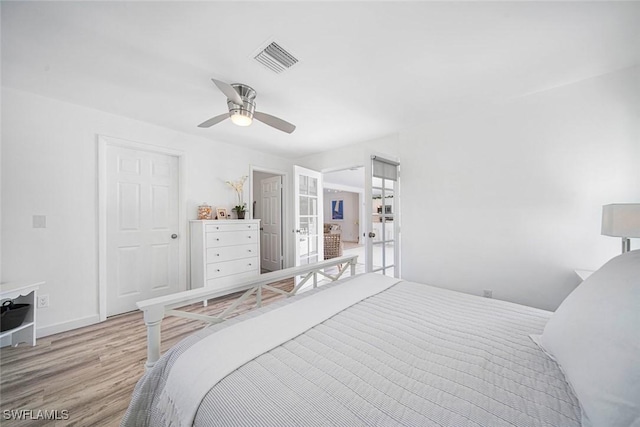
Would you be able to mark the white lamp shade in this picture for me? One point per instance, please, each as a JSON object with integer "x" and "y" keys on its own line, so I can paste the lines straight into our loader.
{"x": 621, "y": 220}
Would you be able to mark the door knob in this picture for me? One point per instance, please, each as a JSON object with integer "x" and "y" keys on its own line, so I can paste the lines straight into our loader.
{"x": 174, "y": 236}
{"x": 372, "y": 234}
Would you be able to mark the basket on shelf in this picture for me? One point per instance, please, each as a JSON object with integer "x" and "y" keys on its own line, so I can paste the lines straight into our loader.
{"x": 12, "y": 315}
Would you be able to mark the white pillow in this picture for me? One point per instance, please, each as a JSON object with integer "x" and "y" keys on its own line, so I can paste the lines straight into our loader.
{"x": 595, "y": 337}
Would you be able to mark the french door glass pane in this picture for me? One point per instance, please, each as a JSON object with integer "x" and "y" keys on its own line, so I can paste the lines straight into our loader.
{"x": 383, "y": 257}
{"x": 312, "y": 186}
{"x": 313, "y": 206}
{"x": 304, "y": 190}
{"x": 303, "y": 241}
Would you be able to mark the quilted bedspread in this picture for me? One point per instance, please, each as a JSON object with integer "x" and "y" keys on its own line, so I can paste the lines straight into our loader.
{"x": 412, "y": 355}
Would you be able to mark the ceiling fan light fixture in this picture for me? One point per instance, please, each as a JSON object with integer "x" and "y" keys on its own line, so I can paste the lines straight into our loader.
{"x": 241, "y": 118}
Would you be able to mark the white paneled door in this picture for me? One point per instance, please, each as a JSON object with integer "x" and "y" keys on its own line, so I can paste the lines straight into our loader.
{"x": 142, "y": 227}
{"x": 271, "y": 239}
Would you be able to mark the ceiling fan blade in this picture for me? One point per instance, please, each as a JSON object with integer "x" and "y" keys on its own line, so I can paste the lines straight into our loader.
{"x": 214, "y": 120}
{"x": 274, "y": 122}
{"x": 228, "y": 91}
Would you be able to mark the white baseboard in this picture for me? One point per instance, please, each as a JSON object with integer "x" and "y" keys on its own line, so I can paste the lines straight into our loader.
{"x": 67, "y": 326}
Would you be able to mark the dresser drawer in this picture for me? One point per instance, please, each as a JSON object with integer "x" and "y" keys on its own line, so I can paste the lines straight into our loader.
{"x": 226, "y": 268}
{"x": 212, "y": 228}
{"x": 231, "y": 238}
{"x": 227, "y": 253}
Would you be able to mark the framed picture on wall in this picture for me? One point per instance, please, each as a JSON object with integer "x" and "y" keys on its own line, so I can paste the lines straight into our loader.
{"x": 337, "y": 209}
{"x": 222, "y": 213}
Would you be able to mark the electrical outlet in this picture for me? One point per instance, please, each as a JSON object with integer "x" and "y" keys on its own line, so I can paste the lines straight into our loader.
{"x": 487, "y": 293}
{"x": 43, "y": 301}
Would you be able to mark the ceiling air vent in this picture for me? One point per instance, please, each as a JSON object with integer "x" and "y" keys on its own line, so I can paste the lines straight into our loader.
{"x": 275, "y": 58}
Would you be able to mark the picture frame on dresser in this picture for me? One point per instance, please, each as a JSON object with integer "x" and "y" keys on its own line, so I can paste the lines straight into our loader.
{"x": 221, "y": 213}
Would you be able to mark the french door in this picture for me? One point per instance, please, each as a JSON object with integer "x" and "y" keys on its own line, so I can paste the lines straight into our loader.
{"x": 382, "y": 218}
{"x": 309, "y": 247}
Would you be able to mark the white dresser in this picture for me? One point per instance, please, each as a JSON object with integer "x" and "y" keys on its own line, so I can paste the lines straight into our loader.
{"x": 223, "y": 252}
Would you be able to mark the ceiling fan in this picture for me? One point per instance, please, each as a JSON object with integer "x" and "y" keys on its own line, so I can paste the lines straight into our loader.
{"x": 241, "y": 103}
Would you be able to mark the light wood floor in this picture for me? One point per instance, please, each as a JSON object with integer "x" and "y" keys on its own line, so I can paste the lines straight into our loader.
{"x": 91, "y": 372}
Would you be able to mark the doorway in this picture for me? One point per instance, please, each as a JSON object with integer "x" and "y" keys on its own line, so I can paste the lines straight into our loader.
{"x": 344, "y": 189}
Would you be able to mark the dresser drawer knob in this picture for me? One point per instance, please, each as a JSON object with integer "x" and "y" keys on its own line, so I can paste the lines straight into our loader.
{"x": 217, "y": 270}
{"x": 249, "y": 250}
{"x": 249, "y": 236}
{"x": 217, "y": 239}
{"x": 217, "y": 254}
{"x": 249, "y": 264}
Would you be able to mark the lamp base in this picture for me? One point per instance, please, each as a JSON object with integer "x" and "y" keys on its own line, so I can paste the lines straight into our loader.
{"x": 626, "y": 244}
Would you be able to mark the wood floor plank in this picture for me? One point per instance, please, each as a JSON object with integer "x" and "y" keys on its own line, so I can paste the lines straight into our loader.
{"x": 91, "y": 371}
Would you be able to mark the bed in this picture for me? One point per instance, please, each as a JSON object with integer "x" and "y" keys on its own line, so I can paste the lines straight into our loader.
{"x": 394, "y": 353}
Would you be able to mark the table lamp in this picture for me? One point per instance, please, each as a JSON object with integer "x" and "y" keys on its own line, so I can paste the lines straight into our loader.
{"x": 621, "y": 220}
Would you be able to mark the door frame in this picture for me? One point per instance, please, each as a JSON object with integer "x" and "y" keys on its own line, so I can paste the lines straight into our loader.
{"x": 284, "y": 202}
{"x": 361, "y": 198}
{"x": 104, "y": 142}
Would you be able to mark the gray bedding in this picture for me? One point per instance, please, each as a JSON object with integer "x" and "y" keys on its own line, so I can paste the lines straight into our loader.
{"x": 412, "y": 355}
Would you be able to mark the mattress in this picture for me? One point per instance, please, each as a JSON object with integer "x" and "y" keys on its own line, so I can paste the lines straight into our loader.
{"x": 412, "y": 355}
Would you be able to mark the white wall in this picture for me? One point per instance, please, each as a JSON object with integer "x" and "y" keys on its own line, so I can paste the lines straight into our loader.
{"x": 353, "y": 155}
{"x": 49, "y": 167}
{"x": 351, "y": 211}
{"x": 509, "y": 197}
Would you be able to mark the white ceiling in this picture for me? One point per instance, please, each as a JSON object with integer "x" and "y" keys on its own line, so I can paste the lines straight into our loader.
{"x": 367, "y": 69}
{"x": 352, "y": 179}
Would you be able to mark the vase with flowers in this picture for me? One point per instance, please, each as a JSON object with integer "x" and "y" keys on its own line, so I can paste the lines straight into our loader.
{"x": 241, "y": 208}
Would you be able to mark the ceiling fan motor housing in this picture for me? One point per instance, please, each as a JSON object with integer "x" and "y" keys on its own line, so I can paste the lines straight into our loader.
{"x": 248, "y": 96}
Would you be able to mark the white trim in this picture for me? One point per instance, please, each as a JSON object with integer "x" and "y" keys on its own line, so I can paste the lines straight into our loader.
{"x": 286, "y": 242}
{"x": 104, "y": 142}
{"x": 56, "y": 328}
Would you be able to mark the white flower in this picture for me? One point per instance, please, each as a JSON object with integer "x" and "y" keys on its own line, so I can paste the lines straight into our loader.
{"x": 238, "y": 186}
